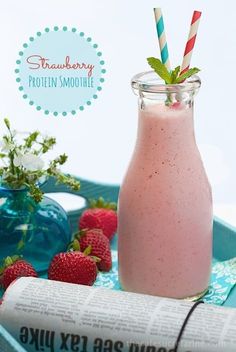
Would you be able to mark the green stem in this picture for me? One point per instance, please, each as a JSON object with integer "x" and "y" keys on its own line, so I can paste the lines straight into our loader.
{"x": 11, "y": 154}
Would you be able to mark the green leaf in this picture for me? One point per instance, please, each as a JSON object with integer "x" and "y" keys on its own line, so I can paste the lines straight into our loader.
{"x": 187, "y": 74}
{"x": 160, "y": 69}
{"x": 16, "y": 257}
{"x": 20, "y": 245}
{"x": 174, "y": 74}
{"x": 81, "y": 233}
{"x": 31, "y": 139}
{"x": 7, "y": 123}
{"x": 8, "y": 261}
{"x": 88, "y": 250}
{"x": 2, "y": 155}
{"x": 101, "y": 203}
{"x": 35, "y": 192}
{"x": 76, "y": 245}
{"x": 48, "y": 143}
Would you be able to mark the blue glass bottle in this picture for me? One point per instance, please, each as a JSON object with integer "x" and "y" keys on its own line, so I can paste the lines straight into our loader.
{"x": 36, "y": 230}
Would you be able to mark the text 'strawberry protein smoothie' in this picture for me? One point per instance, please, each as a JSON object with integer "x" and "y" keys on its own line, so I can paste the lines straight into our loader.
{"x": 165, "y": 202}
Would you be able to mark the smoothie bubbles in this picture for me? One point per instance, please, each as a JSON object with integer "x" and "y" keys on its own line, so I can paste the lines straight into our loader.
{"x": 165, "y": 202}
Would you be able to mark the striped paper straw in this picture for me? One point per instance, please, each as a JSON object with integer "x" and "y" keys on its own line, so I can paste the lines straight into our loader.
{"x": 191, "y": 41}
{"x": 162, "y": 38}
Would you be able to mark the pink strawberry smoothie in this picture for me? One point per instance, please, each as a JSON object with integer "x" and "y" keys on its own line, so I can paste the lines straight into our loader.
{"x": 165, "y": 208}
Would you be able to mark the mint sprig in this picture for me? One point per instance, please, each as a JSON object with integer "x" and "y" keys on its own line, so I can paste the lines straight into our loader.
{"x": 160, "y": 69}
{"x": 187, "y": 74}
{"x": 172, "y": 77}
{"x": 174, "y": 74}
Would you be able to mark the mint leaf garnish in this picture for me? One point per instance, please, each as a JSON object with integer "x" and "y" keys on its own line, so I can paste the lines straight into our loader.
{"x": 174, "y": 74}
{"x": 173, "y": 77}
{"x": 187, "y": 74}
{"x": 160, "y": 69}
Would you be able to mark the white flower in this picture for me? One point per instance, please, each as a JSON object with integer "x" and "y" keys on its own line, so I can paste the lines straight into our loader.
{"x": 30, "y": 162}
{"x": 18, "y": 160}
{"x": 6, "y": 146}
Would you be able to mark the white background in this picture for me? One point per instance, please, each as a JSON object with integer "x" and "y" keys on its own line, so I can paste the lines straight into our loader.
{"x": 100, "y": 140}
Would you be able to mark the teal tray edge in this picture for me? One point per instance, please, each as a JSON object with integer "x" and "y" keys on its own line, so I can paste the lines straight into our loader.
{"x": 8, "y": 343}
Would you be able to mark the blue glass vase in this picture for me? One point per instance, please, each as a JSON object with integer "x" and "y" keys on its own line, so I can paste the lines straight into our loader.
{"x": 35, "y": 230}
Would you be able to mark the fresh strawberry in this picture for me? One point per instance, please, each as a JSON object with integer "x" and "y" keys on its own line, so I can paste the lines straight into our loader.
{"x": 13, "y": 268}
{"x": 100, "y": 246}
{"x": 102, "y": 216}
{"x": 74, "y": 267}
{"x": 176, "y": 105}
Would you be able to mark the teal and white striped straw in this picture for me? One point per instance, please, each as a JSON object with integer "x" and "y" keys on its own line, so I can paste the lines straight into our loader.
{"x": 162, "y": 38}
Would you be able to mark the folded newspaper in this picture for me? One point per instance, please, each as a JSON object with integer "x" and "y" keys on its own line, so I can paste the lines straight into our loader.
{"x": 52, "y": 316}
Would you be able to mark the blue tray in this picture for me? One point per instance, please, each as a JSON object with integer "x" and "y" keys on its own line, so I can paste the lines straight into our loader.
{"x": 224, "y": 235}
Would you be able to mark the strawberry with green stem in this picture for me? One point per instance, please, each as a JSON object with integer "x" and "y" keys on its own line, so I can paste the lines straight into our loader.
{"x": 101, "y": 215}
{"x": 13, "y": 268}
{"x": 74, "y": 267}
{"x": 100, "y": 246}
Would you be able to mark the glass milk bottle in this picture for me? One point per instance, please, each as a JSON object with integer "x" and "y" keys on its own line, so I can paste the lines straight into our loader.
{"x": 165, "y": 201}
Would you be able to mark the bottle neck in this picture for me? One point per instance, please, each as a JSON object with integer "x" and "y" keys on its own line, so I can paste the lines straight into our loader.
{"x": 165, "y": 127}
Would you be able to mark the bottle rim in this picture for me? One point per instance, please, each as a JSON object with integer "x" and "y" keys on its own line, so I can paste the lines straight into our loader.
{"x": 149, "y": 82}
